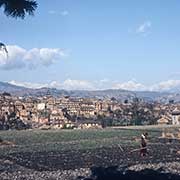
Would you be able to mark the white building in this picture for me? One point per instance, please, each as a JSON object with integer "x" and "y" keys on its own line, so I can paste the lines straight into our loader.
{"x": 41, "y": 106}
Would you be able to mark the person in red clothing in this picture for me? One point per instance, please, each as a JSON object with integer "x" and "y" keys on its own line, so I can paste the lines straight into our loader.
{"x": 143, "y": 150}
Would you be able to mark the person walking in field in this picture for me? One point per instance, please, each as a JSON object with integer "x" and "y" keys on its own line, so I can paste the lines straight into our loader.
{"x": 143, "y": 150}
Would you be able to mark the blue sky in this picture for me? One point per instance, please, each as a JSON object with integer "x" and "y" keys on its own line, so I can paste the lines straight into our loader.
{"x": 98, "y": 44}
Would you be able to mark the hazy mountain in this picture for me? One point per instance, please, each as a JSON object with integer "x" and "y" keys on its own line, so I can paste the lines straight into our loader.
{"x": 100, "y": 94}
{"x": 7, "y": 87}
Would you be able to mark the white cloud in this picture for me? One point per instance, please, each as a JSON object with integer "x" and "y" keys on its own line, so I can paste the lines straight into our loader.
{"x": 52, "y": 12}
{"x": 19, "y": 57}
{"x": 68, "y": 84}
{"x": 28, "y": 84}
{"x": 72, "y": 84}
{"x": 77, "y": 85}
{"x": 130, "y": 85}
{"x": 166, "y": 85}
{"x": 144, "y": 28}
{"x": 53, "y": 84}
{"x": 62, "y": 13}
{"x": 169, "y": 85}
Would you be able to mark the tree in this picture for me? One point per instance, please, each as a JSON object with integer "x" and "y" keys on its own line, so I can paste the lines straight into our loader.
{"x": 136, "y": 119}
{"x": 3, "y": 48}
{"x": 171, "y": 101}
{"x": 113, "y": 99}
{"x": 6, "y": 94}
{"x": 126, "y": 101}
{"x": 18, "y": 8}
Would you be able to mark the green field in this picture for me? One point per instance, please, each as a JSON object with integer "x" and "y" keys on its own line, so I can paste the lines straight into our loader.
{"x": 61, "y": 140}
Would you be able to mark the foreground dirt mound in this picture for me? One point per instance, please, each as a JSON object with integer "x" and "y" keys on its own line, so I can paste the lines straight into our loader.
{"x": 158, "y": 171}
{"x": 116, "y": 174}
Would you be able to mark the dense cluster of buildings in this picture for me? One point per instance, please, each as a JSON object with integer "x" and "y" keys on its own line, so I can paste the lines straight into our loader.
{"x": 68, "y": 112}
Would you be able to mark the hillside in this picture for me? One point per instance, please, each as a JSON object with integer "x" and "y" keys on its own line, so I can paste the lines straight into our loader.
{"x": 119, "y": 94}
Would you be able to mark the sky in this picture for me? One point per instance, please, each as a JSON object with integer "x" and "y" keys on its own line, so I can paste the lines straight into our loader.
{"x": 90, "y": 44}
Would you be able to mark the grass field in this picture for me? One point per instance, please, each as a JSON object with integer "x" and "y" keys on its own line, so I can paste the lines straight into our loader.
{"x": 57, "y": 140}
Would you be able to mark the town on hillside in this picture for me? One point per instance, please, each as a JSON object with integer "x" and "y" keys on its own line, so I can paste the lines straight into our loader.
{"x": 48, "y": 112}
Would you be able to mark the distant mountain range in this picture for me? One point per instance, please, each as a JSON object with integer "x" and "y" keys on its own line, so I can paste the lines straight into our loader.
{"x": 119, "y": 94}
